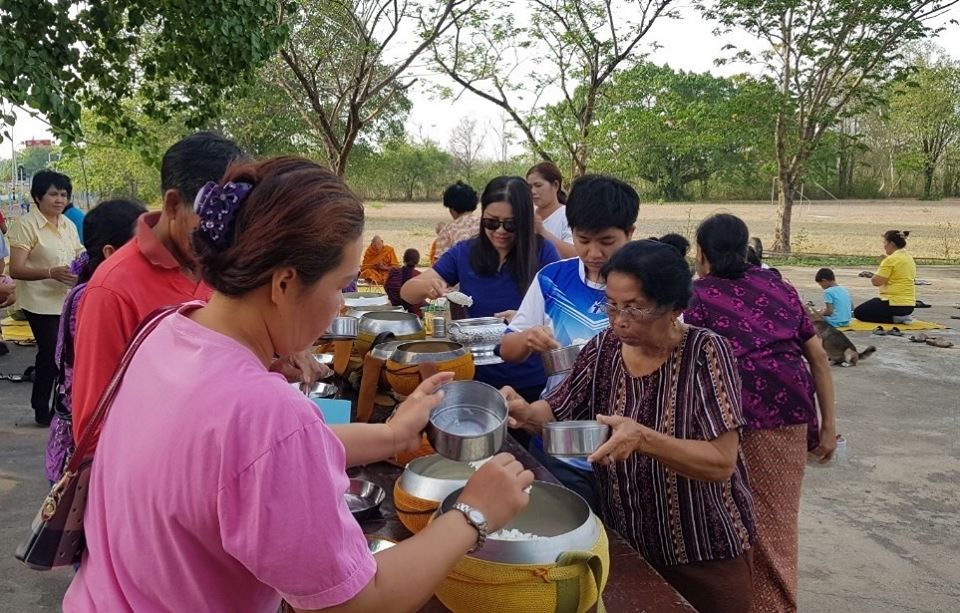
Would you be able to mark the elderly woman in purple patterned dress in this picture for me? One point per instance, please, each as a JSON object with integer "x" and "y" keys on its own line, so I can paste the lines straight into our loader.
{"x": 671, "y": 479}
{"x": 785, "y": 372}
{"x": 106, "y": 228}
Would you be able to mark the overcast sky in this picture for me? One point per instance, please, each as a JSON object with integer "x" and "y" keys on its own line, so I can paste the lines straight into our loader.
{"x": 687, "y": 43}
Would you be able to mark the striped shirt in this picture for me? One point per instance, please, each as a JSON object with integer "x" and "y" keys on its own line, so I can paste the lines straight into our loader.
{"x": 669, "y": 519}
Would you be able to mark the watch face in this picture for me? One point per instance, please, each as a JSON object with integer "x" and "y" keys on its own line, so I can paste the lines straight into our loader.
{"x": 476, "y": 516}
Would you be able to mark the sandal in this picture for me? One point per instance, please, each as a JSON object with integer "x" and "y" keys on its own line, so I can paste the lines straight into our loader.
{"x": 895, "y": 331}
{"x": 919, "y": 338}
{"x": 865, "y": 274}
{"x": 879, "y": 331}
{"x": 920, "y": 304}
{"x": 939, "y": 342}
{"x": 13, "y": 378}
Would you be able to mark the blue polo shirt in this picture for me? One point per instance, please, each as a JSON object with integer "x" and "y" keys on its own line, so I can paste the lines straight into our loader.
{"x": 842, "y": 303}
{"x": 494, "y": 294}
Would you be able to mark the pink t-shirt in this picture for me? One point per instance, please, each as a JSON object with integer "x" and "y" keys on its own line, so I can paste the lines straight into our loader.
{"x": 216, "y": 487}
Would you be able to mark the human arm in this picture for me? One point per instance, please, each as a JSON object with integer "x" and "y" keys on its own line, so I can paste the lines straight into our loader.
{"x": 563, "y": 244}
{"x": 827, "y": 310}
{"x": 8, "y": 294}
{"x": 19, "y": 269}
{"x": 368, "y": 443}
{"x": 527, "y": 332}
{"x": 713, "y": 460}
{"x": 427, "y": 286}
{"x": 884, "y": 272}
{"x": 878, "y": 281}
{"x": 301, "y": 367}
{"x": 823, "y": 385}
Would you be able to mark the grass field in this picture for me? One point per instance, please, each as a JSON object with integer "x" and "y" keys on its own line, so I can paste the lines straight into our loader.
{"x": 844, "y": 228}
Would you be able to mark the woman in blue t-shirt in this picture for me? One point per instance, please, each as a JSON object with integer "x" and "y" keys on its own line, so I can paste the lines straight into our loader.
{"x": 495, "y": 269}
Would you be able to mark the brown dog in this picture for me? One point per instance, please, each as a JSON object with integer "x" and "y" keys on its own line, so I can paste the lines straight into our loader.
{"x": 840, "y": 349}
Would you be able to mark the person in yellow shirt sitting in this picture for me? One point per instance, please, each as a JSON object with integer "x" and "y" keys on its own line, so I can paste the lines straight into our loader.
{"x": 378, "y": 259}
{"x": 895, "y": 277}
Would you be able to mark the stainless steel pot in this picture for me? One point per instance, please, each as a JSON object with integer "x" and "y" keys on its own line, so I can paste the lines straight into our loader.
{"x": 433, "y": 477}
{"x": 319, "y": 390}
{"x": 420, "y": 352}
{"x": 364, "y": 499}
{"x": 342, "y": 329}
{"x": 574, "y": 439}
{"x": 470, "y": 422}
{"x": 480, "y": 335}
{"x": 384, "y": 351}
{"x": 398, "y": 322}
{"x": 560, "y": 516}
{"x": 559, "y": 361}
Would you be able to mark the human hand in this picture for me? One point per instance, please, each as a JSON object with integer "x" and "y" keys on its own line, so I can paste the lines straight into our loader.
{"x": 538, "y": 224}
{"x": 436, "y": 288}
{"x": 8, "y": 294}
{"x": 828, "y": 444}
{"x": 520, "y": 413}
{"x": 301, "y": 367}
{"x": 626, "y": 438}
{"x": 63, "y": 275}
{"x": 497, "y": 490}
{"x": 540, "y": 339}
{"x": 412, "y": 415}
{"x": 508, "y": 315}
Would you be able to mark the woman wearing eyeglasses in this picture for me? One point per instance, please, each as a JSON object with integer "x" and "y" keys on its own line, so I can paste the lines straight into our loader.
{"x": 495, "y": 269}
{"x": 671, "y": 479}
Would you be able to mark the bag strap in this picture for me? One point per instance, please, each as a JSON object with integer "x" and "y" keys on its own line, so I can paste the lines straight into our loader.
{"x": 85, "y": 443}
{"x": 568, "y": 590}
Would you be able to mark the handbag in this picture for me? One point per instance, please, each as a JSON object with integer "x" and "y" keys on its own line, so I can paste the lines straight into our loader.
{"x": 57, "y": 537}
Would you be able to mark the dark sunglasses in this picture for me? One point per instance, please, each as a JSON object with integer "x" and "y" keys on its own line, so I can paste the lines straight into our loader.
{"x": 493, "y": 225}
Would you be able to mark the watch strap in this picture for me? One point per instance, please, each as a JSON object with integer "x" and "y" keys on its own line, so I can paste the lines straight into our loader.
{"x": 481, "y": 526}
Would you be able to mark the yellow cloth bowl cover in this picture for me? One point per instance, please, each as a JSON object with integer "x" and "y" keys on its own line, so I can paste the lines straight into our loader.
{"x": 413, "y": 512}
{"x": 573, "y": 585}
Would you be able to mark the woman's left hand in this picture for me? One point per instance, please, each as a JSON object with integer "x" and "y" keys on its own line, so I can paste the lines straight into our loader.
{"x": 626, "y": 437}
{"x": 828, "y": 444}
{"x": 301, "y": 368}
{"x": 507, "y": 315}
{"x": 412, "y": 415}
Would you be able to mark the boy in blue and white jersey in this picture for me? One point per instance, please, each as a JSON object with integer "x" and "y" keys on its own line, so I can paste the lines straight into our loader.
{"x": 564, "y": 304}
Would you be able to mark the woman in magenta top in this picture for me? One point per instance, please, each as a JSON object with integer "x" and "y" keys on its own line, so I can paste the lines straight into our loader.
{"x": 216, "y": 485}
{"x": 783, "y": 368}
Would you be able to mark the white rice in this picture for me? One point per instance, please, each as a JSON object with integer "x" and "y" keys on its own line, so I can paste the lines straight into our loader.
{"x": 460, "y": 298}
{"x": 512, "y": 534}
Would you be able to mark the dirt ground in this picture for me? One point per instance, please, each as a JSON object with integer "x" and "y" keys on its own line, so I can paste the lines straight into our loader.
{"x": 879, "y": 534}
{"x": 851, "y": 227}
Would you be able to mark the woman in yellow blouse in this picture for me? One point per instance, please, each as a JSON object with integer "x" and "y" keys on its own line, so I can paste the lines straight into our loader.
{"x": 895, "y": 278}
{"x": 42, "y": 244}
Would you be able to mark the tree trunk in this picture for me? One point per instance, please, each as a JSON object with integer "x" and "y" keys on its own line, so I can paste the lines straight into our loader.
{"x": 781, "y": 236}
{"x": 928, "y": 170}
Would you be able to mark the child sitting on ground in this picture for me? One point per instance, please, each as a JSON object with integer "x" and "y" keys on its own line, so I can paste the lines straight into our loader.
{"x": 398, "y": 276}
{"x": 838, "y": 307}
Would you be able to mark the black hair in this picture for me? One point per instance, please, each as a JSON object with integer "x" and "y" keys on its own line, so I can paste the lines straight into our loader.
{"x": 722, "y": 239}
{"x": 551, "y": 172}
{"x": 460, "y": 197}
{"x": 411, "y": 257}
{"x": 195, "y": 160}
{"x": 662, "y": 272}
{"x": 523, "y": 261}
{"x": 897, "y": 237}
{"x": 598, "y": 202}
{"x": 677, "y": 241}
{"x": 112, "y": 222}
{"x": 45, "y": 179}
{"x": 825, "y": 274}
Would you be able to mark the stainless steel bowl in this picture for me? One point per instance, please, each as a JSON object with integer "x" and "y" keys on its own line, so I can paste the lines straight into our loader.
{"x": 560, "y": 516}
{"x": 364, "y": 499}
{"x": 421, "y": 352}
{"x": 398, "y": 322}
{"x": 384, "y": 351}
{"x": 376, "y": 544}
{"x": 559, "y": 361}
{"x": 433, "y": 477}
{"x": 342, "y": 329}
{"x": 352, "y": 299}
{"x": 360, "y": 311}
{"x": 469, "y": 423}
{"x": 574, "y": 439}
{"x": 480, "y": 335}
{"x": 319, "y": 390}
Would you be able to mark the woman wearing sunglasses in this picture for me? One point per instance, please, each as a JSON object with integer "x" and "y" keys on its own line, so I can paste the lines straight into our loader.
{"x": 495, "y": 269}
{"x": 670, "y": 476}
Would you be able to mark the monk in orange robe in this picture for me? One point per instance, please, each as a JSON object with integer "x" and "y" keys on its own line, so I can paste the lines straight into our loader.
{"x": 378, "y": 259}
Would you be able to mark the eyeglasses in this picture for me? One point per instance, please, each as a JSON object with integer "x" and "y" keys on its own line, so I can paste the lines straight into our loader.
{"x": 509, "y": 225}
{"x": 631, "y": 313}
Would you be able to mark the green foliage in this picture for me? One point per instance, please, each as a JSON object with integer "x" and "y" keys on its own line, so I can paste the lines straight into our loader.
{"x": 180, "y": 57}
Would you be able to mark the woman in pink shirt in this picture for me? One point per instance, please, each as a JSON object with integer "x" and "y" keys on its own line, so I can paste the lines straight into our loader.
{"x": 216, "y": 485}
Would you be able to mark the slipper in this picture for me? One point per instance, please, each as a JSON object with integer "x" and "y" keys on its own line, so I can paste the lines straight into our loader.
{"x": 921, "y": 282}
{"x": 13, "y": 378}
{"x": 955, "y": 317}
{"x": 919, "y": 338}
{"x": 921, "y": 305}
{"x": 939, "y": 342}
{"x": 895, "y": 331}
{"x": 879, "y": 331}
{"x": 865, "y": 274}
{"x": 25, "y": 343}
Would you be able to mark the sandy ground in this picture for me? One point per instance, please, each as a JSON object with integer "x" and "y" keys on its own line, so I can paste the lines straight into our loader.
{"x": 851, "y": 227}
{"x": 879, "y": 534}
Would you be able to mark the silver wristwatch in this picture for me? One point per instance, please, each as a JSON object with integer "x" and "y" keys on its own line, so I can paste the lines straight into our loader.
{"x": 477, "y": 520}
